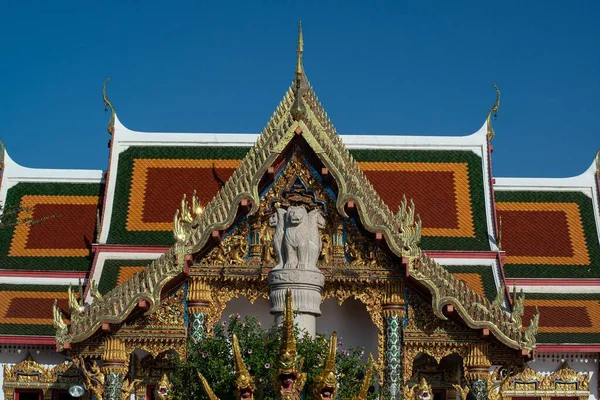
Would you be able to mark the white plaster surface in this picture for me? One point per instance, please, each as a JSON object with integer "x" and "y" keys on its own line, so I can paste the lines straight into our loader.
{"x": 352, "y": 323}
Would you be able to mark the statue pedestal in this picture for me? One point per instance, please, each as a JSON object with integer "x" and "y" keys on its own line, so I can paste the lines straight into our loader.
{"x": 306, "y": 287}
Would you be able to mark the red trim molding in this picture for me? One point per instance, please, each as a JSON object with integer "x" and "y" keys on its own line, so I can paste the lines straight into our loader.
{"x": 43, "y": 274}
{"x": 117, "y": 248}
{"x": 568, "y": 348}
{"x": 49, "y": 340}
{"x": 552, "y": 282}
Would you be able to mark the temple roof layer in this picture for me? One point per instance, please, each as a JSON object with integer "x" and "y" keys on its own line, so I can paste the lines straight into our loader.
{"x": 61, "y": 207}
{"x": 550, "y": 227}
{"x": 26, "y": 310}
{"x": 565, "y": 317}
{"x": 150, "y": 181}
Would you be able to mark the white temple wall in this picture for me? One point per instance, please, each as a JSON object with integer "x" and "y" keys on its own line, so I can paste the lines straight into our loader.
{"x": 580, "y": 362}
{"x": 352, "y": 322}
{"x": 242, "y": 306}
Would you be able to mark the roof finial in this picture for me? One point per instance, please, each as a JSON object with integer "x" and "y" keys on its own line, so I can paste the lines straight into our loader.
{"x": 598, "y": 162}
{"x": 298, "y": 111}
{"x": 107, "y": 104}
{"x": 2, "y": 157}
{"x": 299, "y": 50}
{"x": 494, "y": 112}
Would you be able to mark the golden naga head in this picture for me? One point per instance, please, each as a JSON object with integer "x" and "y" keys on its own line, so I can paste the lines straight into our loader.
{"x": 164, "y": 388}
{"x": 244, "y": 382}
{"x": 424, "y": 391}
{"x": 289, "y": 374}
{"x": 325, "y": 385}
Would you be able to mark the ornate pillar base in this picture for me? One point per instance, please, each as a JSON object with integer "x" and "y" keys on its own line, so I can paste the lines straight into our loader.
{"x": 306, "y": 287}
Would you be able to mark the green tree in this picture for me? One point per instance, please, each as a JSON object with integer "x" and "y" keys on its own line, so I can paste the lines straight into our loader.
{"x": 212, "y": 356}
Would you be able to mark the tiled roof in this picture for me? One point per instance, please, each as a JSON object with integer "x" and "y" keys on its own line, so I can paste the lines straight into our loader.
{"x": 548, "y": 234}
{"x": 447, "y": 187}
{"x": 479, "y": 277}
{"x": 565, "y": 318}
{"x": 150, "y": 184}
{"x": 115, "y": 272}
{"x": 27, "y": 309}
{"x": 62, "y": 240}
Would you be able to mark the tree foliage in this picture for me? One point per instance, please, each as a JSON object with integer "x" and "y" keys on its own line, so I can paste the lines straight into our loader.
{"x": 212, "y": 356}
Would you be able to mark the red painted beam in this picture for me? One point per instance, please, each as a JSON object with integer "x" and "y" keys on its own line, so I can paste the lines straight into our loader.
{"x": 27, "y": 340}
{"x": 43, "y": 274}
{"x": 116, "y": 248}
{"x": 565, "y": 348}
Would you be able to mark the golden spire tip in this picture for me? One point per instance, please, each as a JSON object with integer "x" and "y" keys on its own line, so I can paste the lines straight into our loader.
{"x": 299, "y": 49}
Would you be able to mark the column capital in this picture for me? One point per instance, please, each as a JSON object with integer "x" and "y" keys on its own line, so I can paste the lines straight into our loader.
{"x": 199, "y": 295}
{"x": 115, "y": 358}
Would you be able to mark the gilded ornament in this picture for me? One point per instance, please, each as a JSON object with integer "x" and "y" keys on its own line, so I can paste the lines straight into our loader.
{"x": 325, "y": 384}
{"x": 463, "y": 392}
{"x": 529, "y": 337}
{"x": 129, "y": 388}
{"x": 94, "y": 292}
{"x": 244, "y": 382}
{"x": 75, "y": 304}
{"x": 93, "y": 377}
{"x": 289, "y": 376}
{"x": 326, "y": 251}
{"x": 108, "y": 105}
{"x": 59, "y": 324}
{"x": 164, "y": 388}
{"x": 493, "y": 112}
{"x": 207, "y": 389}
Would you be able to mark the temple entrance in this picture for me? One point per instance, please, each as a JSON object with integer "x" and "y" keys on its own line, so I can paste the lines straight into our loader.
{"x": 441, "y": 376}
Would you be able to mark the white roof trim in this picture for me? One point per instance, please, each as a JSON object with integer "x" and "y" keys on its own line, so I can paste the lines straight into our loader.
{"x": 14, "y": 173}
{"x": 127, "y": 137}
{"x": 40, "y": 281}
{"x": 555, "y": 289}
{"x": 582, "y": 182}
{"x": 123, "y": 138}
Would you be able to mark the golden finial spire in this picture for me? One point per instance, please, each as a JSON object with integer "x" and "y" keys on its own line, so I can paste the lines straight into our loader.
{"x": 299, "y": 50}
{"x": 207, "y": 389}
{"x": 327, "y": 382}
{"x": 288, "y": 352}
{"x": 107, "y": 104}
{"x": 298, "y": 111}
{"x": 493, "y": 111}
{"x": 243, "y": 379}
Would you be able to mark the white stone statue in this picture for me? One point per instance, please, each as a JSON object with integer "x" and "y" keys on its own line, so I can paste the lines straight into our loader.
{"x": 277, "y": 221}
{"x": 297, "y": 241}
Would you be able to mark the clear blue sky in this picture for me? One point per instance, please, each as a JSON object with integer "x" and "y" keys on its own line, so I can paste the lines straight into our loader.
{"x": 422, "y": 68}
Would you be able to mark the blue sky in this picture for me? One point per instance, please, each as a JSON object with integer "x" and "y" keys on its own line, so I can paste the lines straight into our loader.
{"x": 395, "y": 67}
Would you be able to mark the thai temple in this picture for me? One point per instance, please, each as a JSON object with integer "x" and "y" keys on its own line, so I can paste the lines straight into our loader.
{"x": 461, "y": 284}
